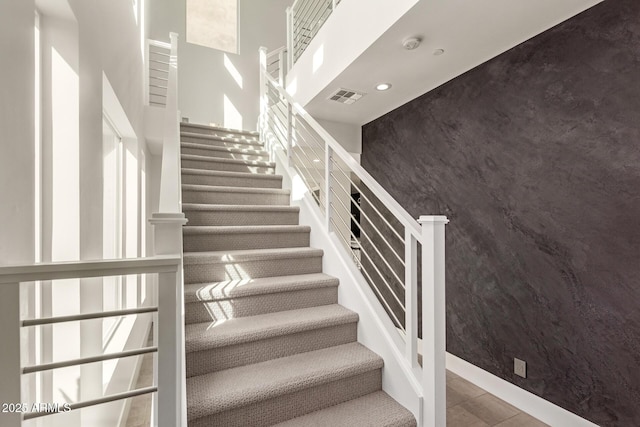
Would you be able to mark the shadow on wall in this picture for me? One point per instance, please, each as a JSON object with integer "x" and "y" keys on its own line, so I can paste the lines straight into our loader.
{"x": 534, "y": 157}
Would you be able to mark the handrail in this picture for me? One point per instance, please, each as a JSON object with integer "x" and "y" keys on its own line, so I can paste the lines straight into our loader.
{"x": 374, "y": 231}
{"x": 83, "y": 269}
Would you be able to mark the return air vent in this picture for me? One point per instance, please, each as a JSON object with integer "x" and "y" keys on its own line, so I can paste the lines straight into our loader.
{"x": 346, "y": 96}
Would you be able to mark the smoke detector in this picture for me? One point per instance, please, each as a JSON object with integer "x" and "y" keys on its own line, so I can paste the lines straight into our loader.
{"x": 346, "y": 96}
{"x": 411, "y": 43}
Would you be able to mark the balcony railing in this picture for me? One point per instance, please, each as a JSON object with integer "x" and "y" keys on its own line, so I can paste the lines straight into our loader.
{"x": 304, "y": 20}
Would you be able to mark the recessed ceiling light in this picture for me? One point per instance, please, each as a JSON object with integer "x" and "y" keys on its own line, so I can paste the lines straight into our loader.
{"x": 383, "y": 86}
{"x": 438, "y": 52}
{"x": 316, "y": 160}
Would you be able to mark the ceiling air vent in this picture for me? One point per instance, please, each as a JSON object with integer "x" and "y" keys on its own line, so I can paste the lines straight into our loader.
{"x": 346, "y": 96}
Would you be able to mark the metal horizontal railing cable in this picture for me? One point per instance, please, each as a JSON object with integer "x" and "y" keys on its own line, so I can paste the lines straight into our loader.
{"x": 364, "y": 196}
{"x": 370, "y": 280}
{"x": 355, "y": 202}
{"x": 384, "y": 259}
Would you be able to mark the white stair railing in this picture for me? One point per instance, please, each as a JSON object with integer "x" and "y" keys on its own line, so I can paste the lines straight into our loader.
{"x": 157, "y": 72}
{"x": 387, "y": 245}
{"x": 304, "y": 20}
{"x": 168, "y": 222}
{"x": 168, "y": 375}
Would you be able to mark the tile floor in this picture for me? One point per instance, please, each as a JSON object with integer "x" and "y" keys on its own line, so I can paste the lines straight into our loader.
{"x": 471, "y": 406}
{"x": 467, "y": 405}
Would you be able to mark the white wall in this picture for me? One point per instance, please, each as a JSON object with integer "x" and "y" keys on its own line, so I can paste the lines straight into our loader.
{"x": 347, "y": 134}
{"x": 17, "y": 138}
{"x": 204, "y": 81}
{"x": 81, "y": 41}
{"x": 342, "y": 39}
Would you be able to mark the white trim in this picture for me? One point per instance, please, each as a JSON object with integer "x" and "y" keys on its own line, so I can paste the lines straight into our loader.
{"x": 527, "y": 402}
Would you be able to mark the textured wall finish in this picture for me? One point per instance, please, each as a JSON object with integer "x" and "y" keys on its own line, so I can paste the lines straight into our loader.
{"x": 535, "y": 158}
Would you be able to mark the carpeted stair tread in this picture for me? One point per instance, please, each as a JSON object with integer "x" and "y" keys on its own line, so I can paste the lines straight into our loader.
{"x": 374, "y": 409}
{"x": 223, "y": 290}
{"x": 230, "y": 237}
{"x": 231, "y": 174}
{"x": 244, "y": 229}
{"x": 227, "y": 189}
{"x": 208, "y": 335}
{"x": 232, "y": 388}
{"x": 240, "y": 142}
{"x": 238, "y": 208}
{"x": 220, "y": 129}
{"x": 218, "y": 214}
{"x": 249, "y": 255}
{"x": 194, "y": 157}
{"x": 218, "y": 152}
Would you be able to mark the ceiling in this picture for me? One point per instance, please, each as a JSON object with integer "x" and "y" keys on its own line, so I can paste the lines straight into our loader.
{"x": 469, "y": 32}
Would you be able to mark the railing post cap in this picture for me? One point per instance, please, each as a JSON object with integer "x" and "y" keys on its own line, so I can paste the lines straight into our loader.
{"x": 168, "y": 218}
{"x": 428, "y": 219}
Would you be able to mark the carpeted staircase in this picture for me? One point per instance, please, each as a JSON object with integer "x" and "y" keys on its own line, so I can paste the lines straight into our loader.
{"x": 266, "y": 341}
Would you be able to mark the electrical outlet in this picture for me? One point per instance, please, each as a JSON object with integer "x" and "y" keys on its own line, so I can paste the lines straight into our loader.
{"x": 520, "y": 367}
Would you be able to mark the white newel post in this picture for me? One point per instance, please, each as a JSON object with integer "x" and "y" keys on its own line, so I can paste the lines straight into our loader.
{"x": 10, "y": 391}
{"x": 171, "y": 372}
{"x": 170, "y": 191}
{"x": 171, "y": 397}
{"x": 433, "y": 320}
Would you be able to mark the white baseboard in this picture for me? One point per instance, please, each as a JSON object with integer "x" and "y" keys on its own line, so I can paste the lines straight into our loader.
{"x": 527, "y": 402}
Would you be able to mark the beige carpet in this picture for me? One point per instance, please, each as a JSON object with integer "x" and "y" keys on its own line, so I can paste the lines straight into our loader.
{"x": 266, "y": 341}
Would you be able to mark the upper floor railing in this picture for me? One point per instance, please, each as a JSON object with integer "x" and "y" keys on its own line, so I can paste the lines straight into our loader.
{"x": 397, "y": 256}
{"x": 157, "y": 72}
{"x": 16, "y": 325}
{"x": 304, "y": 20}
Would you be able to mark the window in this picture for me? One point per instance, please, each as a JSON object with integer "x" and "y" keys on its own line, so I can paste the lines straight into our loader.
{"x": 213, "y": 23}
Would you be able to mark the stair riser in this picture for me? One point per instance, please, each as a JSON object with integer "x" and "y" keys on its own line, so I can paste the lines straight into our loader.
{"x": 223, "y": 198}
{"x": 241, "y": 218}
{"x": 215, "y": 272}
{"x": 239, "y": 241}
{"x": 229, "y": 167}
{"x": 254, "y": 305}
{"x": 203, "y": 362}
{"x": 252, "y": 145}
{"x": 284, "y": 407}
{"x": 226, "y": 181}
{"x": 218, "y": 132}
{"x": 224, "y": 154}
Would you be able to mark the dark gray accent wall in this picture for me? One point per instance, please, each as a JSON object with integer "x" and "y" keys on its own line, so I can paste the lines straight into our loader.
{"x": 535, "y": 158}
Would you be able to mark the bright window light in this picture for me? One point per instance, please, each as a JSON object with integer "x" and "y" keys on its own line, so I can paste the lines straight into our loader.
{"x": 213, "y": 23}
{"x": 233, "y": 71}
